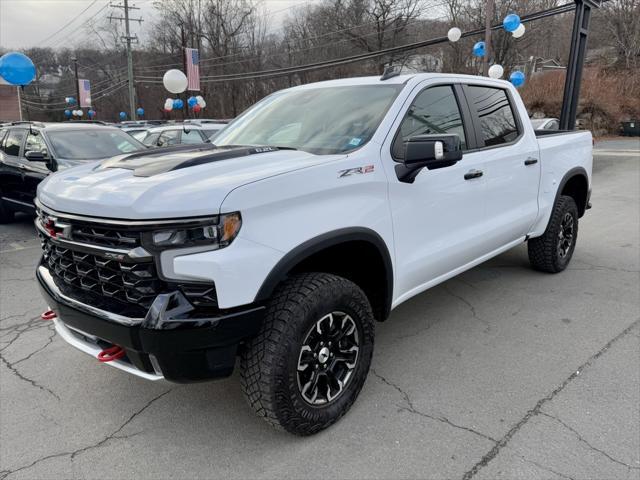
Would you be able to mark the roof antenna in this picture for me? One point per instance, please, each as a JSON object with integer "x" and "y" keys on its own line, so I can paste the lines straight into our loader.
{"x": 390, "y": 72}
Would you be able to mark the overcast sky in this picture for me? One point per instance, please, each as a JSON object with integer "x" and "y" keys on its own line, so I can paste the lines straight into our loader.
{"x": 29, "y": 23}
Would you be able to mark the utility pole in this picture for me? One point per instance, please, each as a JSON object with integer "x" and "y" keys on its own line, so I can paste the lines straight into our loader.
{"x": 183, "y": 40}
{"x": 128, "y": 39}
{"x": 487, "y": 36}
{"x": 75, "y": 69}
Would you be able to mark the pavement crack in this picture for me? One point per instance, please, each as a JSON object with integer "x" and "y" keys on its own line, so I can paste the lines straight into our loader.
{"x": 474, "y": 313}
{"x": 28, "y": 380}
{"x": 49, "y": 342}
{"x": 491, "y": 454}
{"x": 113, "y": 435}
{"x": 545, "y": 468}
{"x": 412, "y": 409}
{"x": 582, "y": 440}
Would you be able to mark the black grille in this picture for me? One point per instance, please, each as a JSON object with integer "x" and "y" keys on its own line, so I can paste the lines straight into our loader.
{"x": 105, "y": 236}
{"x": 135, "y": 283}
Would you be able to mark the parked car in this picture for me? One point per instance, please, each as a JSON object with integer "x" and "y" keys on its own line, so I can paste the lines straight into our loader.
{"x": 30, "y": 151}
{"x": 545, "y": 123}
{"x": 139, "y": 133}
{"x": 317, "y": 212}
{"x": 180, "y": 133}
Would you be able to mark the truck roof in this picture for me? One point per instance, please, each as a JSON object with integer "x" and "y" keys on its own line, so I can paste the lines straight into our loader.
{"x": 398, "y": 79}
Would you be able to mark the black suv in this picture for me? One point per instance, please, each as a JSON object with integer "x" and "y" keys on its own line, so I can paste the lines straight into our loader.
{"x": 29, "y": 151}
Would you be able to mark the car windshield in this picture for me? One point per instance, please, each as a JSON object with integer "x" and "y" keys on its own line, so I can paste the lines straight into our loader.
{"x": 90, "y": 144}
{"x": 317, "y": 120}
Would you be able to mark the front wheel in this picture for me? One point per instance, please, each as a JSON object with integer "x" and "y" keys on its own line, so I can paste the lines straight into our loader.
{"x": 552, "y": 251}
{"x": 309, "y": 362}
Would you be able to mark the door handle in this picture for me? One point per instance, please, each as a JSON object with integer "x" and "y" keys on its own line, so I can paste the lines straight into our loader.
{"x": 531, "y": 161}
{"x": 22, "y": 167}
{"x": 473, "y": 174}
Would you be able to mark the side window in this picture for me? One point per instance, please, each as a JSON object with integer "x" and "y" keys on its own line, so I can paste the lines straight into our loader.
{"x": 497, "y": 123}
{"x": 13, "y": 142}
{"x": 2, "y": 134}
{"x": 170, "y": 137}
{"x": 35, "y": 143}
{"x": 192, "y": 136}
{"x": 552, "y": 125}
{"x": 435, "y": 110}
{"x": 151, "y": 139}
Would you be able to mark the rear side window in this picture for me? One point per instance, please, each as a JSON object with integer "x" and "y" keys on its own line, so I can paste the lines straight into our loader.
{"x": 433, "y": 111}
{"x": 497, "y": 122}
{"x": 151, "y": 139}
{"x": 13, "y": 142}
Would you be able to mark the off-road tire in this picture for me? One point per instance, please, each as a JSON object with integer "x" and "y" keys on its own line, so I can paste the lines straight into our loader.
{"x": 544, "y": 253}
{"x": 6, "y": 215}
{"x": 269, "y": 362}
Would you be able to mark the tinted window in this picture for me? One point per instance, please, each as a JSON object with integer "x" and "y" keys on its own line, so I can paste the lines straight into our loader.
{"x": 13, "y": 142}
{"x": 192, "y": 136}
{"x": 497, "y": 122}
{"x": 92, "y": 144}
{"x": 435, "y": 110}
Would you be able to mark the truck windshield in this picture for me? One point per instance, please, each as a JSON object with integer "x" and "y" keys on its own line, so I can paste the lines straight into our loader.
{"x": 322, "y": 121}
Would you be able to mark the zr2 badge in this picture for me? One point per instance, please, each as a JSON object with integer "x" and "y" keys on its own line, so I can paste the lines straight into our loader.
{"x": 356, "y": 171}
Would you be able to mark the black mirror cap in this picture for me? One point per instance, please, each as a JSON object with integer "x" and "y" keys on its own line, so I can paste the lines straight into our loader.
{"x": 35, "y": 156}
{"x": 433, "y": 151}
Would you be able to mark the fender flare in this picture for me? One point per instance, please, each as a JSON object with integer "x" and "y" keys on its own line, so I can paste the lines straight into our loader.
{"x": 574, "y": 172}
{"x": 316, "y": 244}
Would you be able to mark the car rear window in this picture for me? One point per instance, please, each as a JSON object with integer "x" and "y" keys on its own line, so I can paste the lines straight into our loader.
{"x": 497, "y": 122}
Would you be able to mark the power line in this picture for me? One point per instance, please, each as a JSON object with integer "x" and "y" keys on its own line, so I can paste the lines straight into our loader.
{"x": 67, "y": 24}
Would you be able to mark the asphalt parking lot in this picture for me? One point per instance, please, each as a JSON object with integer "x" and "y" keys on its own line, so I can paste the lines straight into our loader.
{"x": 500, "y": 373}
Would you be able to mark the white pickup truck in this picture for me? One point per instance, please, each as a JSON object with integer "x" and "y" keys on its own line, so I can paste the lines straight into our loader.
{"x": 316, "y": 212}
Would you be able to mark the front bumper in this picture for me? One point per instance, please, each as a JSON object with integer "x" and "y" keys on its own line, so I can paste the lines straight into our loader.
{"x": 172, "y": 341}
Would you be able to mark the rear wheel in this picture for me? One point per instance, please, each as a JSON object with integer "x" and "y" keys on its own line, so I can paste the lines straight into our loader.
{"x": 310, "y": 360}
{"x": 6, "y": 215}
{"x": 552, "y": 251}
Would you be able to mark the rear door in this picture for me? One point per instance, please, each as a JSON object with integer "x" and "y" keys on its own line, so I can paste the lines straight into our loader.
{"x": 511, "y": 162}
{"x": 11, "y": 165}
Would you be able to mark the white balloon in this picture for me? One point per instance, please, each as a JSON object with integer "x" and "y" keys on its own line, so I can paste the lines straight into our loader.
{"x": 168, "y": 104}
{"x": 454, "y": 34}
{"x": 199, "y": 98}
{"x": 201, "y": 102}
{"x": 175, "y": 81}
{"x": 80, "y": 113}
{"x": 518, "y": 32}
{"x": 496, "y": 71}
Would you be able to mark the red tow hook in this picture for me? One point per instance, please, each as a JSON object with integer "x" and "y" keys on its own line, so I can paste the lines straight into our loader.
{"x": 48, "y": 315}
{"x": 110, "y": 354}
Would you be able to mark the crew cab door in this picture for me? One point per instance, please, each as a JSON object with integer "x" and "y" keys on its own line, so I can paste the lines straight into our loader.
{"x": 439, "y": 219}
{"x": 511, "y": 162}
{"x": 12, "y": 165}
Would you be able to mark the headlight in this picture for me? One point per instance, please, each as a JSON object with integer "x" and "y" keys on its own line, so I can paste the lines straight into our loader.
{"x": 218, "y": 234}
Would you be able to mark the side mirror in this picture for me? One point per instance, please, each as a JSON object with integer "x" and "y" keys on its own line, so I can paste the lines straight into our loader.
{"x": 428, "y": 151}
{"x": 35, "y": 156}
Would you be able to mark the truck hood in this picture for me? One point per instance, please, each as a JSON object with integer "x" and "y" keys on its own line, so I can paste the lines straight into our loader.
{"x": 167, "y": 183}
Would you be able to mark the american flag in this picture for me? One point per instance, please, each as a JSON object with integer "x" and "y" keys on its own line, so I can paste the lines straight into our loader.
{"x": 193, "y": 68}
{"x": 85, "y": 93}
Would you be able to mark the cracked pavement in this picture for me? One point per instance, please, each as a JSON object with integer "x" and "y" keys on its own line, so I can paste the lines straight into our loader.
{"x": 500, "y": 373}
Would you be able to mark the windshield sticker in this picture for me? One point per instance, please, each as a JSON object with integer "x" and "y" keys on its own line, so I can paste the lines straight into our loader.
{"x": 355, "y": 141}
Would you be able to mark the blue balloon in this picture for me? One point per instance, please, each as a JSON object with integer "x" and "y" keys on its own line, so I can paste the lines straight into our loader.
{"x": 511, "y": 22}
{"x": 517, "y": 78}
{"x": 17, "y": 69}
{"x": 71, "y": 100}
{"x": 67, "y": 113}
{"x": 140, "y": 111}
{"x": 91, "y": 113}
{"x": 192, "y": 101}
{"x": 178, "y": 104}
{"x": 478, "y": 49}
{"x": 123, "y": 115}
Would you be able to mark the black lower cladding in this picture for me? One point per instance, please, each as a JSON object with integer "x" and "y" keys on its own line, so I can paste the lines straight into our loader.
{"x": 187, "y": 346}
